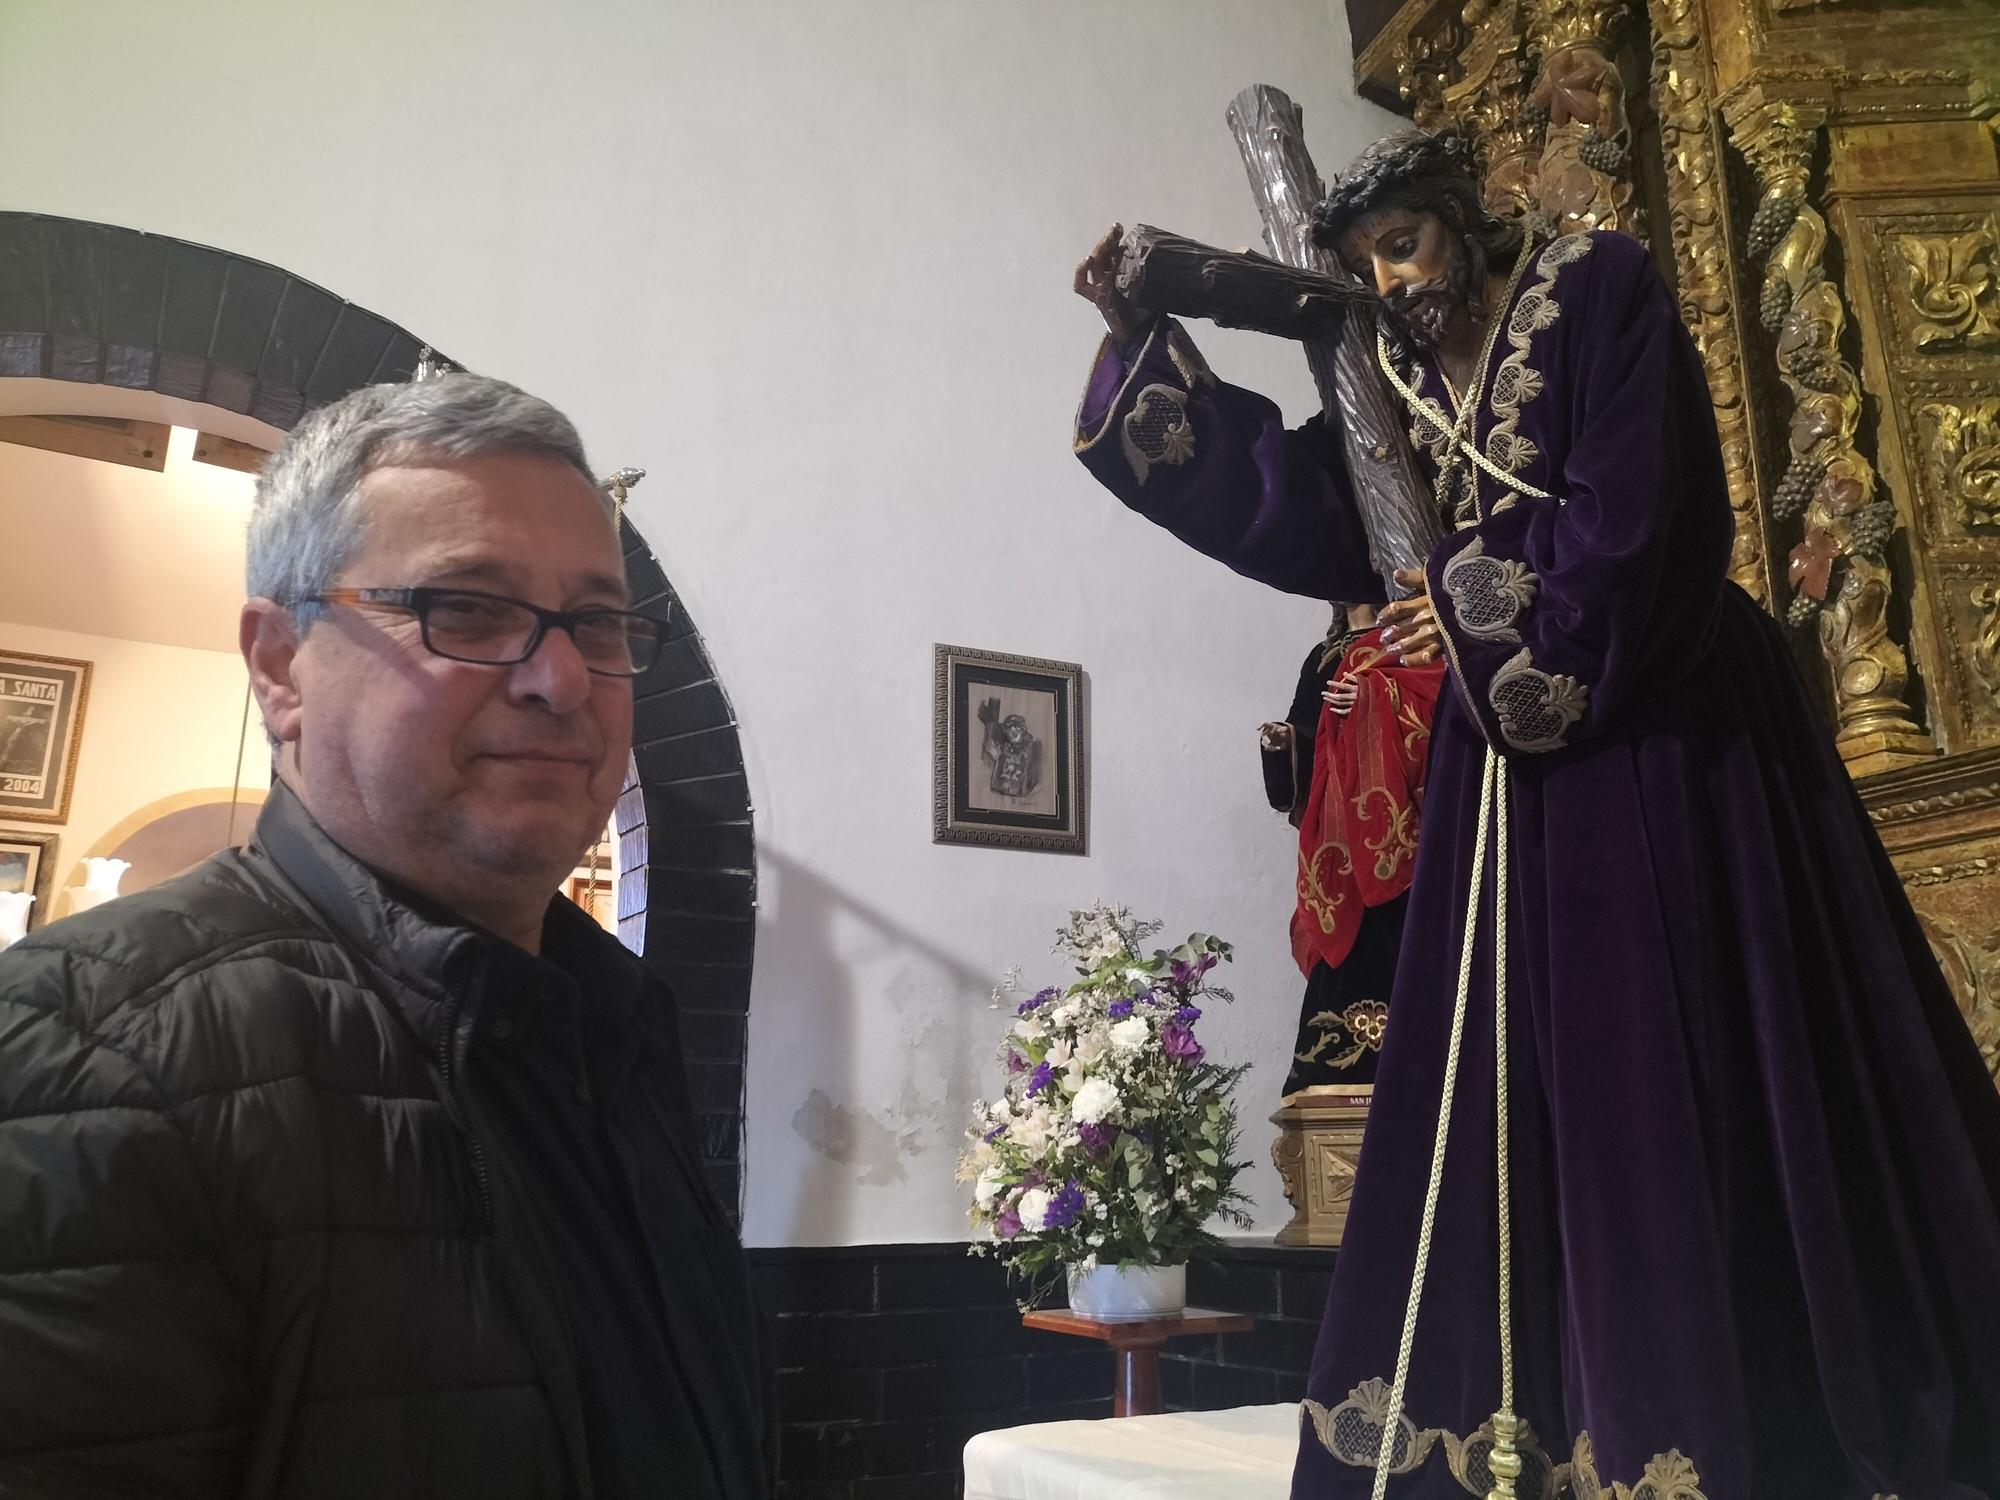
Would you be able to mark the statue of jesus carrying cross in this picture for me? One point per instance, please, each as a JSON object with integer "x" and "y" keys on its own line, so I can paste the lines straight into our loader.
{"x": 1672, "y": 1083}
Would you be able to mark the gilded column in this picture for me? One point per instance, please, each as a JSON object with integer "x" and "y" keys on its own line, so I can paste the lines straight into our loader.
{"x": 1424, "y": 65}
{"x": 1697, "y": 224}
{"x": 1491, "y": 96}
{"x": 1838, "y": 575}
{"x": 1583, "y": 179}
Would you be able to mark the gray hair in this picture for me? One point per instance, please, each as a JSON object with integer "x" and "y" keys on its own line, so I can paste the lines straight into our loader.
{"x": 308, "y": 519}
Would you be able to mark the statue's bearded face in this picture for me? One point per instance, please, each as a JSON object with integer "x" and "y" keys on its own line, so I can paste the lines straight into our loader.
{"x": 1417, "y": 266}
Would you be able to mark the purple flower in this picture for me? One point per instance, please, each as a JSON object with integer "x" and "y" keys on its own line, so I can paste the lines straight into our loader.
{"x": 1040, "y": 1079}
{"x": 1179, "y": 1043}
{"x": 994, "y": 1134}
{"x": 1008, "y": 1224}
{"x": 1015, "y": 1062}
{"x": 1187, "y": 1015}
{"x": 1120, "y": 1009}
{"x": 1037, "y": 1000}
{"x": 1065, "y": 1206}
{"x": 1186, "y": 974}
{"x": 1097, "y": 1138}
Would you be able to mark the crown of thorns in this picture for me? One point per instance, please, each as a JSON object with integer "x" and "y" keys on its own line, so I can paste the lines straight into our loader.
{"x": 1393, "y": 161}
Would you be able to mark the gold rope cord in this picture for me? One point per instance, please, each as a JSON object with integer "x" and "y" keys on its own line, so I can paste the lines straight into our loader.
{"x": 1504, "y": 1463}
{"x": 1457, "y": 432}
{"x": 1397, "y": 1389}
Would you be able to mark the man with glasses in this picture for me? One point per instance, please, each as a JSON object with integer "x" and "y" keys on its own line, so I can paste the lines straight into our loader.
{"x": 354, "y": 1163}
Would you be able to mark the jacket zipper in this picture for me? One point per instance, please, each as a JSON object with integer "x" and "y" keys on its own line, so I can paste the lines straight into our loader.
{"x": 457, "y": 1105}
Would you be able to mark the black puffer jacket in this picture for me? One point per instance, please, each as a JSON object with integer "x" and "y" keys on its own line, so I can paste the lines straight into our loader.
{"x": 247, "y": 1244}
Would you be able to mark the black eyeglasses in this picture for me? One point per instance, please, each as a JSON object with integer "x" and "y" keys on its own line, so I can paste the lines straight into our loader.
{"x": 495, "y": 631}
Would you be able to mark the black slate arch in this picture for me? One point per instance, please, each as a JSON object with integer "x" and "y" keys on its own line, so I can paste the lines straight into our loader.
{"x": 99, "y": 304}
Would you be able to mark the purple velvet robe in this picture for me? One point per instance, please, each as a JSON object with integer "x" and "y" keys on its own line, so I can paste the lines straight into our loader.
{"x": 1755, "y": 1154}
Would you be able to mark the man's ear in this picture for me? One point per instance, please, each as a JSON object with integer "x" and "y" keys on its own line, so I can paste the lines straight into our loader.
{"x": 270, "y": 644}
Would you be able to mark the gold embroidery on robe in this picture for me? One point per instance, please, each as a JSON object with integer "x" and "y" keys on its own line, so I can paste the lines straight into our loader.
{"x": 1536, "y": 709}
{"x": 1516, "y": 382}
{"x": 1313, "y": 894}
{"x": 1358, "y": 1030}
{"x": 1489, "y": 594}
{"x": 1157, "y": 430}
{"x": 1352, "y": 1432}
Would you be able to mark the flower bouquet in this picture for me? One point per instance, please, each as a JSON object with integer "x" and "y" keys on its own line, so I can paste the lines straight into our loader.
{"x": 1112, "y": 1143}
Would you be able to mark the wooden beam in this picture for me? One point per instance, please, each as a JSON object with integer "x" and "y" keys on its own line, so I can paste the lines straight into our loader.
{"x": 229, "y": 453}
{"x": 113, "y": 440}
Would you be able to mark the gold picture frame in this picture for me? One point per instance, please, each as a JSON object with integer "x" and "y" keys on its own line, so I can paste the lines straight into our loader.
{"x": 28, "y": 863}
{"x": 42, "y": 701}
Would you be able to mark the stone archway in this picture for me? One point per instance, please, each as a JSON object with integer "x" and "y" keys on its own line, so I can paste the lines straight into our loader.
{"x": 103, "y": 305}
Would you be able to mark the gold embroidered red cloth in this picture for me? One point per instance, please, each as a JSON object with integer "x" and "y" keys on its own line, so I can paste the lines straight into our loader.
{"x": 1358, "y": 838}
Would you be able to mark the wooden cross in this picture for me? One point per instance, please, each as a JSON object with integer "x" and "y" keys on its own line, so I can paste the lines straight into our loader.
{"x": 1300, "y": 292}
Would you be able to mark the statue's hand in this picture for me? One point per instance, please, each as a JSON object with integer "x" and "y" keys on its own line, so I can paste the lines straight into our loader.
{"x": 1276, "y": 735}
{"x": 1097, "y": 283}
{"x": 1341, "y": 695}
{"x": 1410, "y": 626}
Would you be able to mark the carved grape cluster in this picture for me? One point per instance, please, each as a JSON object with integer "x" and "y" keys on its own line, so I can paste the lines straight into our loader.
{"x": 1819, "y": 372}
{"x": 1601, "y": 153}
{"x": 1773, "y": 217}
{"x": 1795, "y": 489}
{"x": 1869, "y": 531}
{"x": 1802, "y": 610}
{"x": 1773, "y": 303}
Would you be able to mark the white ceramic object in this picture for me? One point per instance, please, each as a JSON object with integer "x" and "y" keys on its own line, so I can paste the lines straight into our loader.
{"x": 100, "y": 883}
{"x": 104, "y": 875}
{"x": 1127, "y": 1293}
{"x": 14, "y": 916}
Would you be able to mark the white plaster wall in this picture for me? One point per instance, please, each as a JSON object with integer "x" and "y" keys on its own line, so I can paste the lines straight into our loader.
{"x": 808, "y": 263}
{"x": 160, "y": 720}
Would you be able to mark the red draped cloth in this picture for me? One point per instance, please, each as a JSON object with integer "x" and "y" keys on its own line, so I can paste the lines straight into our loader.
{"x": 1358, "y": 838}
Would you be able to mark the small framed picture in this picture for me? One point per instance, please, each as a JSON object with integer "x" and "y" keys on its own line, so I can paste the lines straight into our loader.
{"x": 1008, "y": 752}
{"x": 28, "y": 863}
{"x": 41, "y": 728}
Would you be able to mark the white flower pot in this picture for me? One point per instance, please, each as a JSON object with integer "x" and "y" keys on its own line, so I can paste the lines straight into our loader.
{"x": 1129, "y": 1292}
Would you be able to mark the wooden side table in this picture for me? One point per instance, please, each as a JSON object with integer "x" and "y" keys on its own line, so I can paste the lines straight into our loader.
{"x": 1136, "y": 1342}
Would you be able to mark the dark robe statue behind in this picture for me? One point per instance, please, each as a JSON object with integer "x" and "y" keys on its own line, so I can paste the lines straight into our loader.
{"x": 1755, "y": 1155}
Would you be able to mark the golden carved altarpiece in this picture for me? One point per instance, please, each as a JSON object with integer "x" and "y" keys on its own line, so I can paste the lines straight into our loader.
{"x": 1827, "y": 177}
{"x": 1821, "y": 181}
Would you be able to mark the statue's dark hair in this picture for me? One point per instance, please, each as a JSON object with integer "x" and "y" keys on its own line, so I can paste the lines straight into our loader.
{"x": 1424, "y": 171}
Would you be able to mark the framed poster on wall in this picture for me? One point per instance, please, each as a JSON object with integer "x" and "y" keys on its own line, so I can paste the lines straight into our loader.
{"x": 42, "y": 700}
{"x": 28, "y": 866}
{"x": 1008, "y": 762}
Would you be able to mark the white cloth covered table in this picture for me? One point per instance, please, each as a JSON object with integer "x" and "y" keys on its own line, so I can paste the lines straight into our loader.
{"x": 1242, "y": 1454}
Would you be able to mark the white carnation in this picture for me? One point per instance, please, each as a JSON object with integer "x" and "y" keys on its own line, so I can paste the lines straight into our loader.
{"x": 1031, "y": 1131}
{"x": 1130, "y": 1034}
{"x": 1109, "y": 943}
{"x": 1034, "y": 1210}
{"x": 1096, "y": 1102}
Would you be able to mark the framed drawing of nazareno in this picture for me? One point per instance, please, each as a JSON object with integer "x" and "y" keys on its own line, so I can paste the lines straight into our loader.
{"x": 42, "y": 700}
{"x": 1009, "y": 759}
